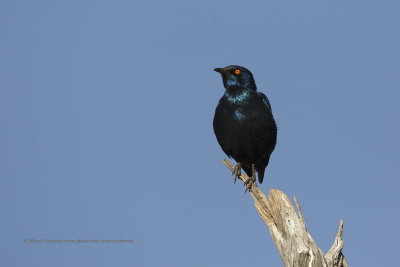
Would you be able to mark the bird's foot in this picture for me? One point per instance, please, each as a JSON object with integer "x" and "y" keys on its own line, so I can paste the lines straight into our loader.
{"x": 249, "y": 183}
{"x": 236, "y": 172}
{"x": 252, "y": 180}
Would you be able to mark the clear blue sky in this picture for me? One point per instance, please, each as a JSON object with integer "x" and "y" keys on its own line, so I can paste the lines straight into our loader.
{"x": 106, "y": 112}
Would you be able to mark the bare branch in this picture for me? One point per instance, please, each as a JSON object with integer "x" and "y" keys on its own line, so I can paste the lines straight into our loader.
{"x": 288, "y": 231}
{"x": 334, "y": 256}
{"x": 299, "y": 210}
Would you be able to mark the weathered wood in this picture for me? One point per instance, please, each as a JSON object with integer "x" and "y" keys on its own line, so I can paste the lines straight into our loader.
{"x": 288, "y": 230}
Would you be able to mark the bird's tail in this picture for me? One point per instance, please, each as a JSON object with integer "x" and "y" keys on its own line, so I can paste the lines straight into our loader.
{"x": 261, "y": 169}
{"x": 260, "y": 175}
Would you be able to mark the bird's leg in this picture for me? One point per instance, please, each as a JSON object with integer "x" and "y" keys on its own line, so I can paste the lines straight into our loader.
{"x": 249, "y": 183}
{"x": 236, "y": 172}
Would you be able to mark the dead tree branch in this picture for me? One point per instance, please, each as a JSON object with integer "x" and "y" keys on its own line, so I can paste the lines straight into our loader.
{"x": 288, "y": 230}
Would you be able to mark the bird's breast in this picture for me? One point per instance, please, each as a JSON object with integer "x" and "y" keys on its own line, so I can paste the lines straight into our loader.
{"x": 238, "y": 115}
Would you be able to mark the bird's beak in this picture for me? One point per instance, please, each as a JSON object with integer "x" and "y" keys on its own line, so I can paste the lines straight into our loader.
{"x": 219, "y": 70}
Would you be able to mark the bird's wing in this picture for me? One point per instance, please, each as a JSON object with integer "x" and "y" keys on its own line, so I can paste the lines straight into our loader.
{"x": 266, "y": 101}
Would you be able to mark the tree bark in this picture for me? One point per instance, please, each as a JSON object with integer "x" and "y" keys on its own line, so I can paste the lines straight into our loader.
{"x": 288, "y": 230}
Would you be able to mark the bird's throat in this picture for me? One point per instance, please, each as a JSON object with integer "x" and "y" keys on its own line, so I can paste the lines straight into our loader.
{"x": 236, "y": 95}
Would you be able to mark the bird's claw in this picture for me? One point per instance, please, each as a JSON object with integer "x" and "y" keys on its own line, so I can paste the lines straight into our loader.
{"x": 249, "y": 183}
{"x": 236, "y": 172}
{"x": 252, "y": 179}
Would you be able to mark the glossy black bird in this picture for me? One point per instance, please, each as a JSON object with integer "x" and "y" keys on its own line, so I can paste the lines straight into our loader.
{"x": 243, "y": 123}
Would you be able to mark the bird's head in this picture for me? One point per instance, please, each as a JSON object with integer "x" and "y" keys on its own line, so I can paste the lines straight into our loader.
{"x": 237, "y": 76}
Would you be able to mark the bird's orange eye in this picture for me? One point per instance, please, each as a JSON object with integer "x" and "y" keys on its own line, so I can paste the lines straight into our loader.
{"x": 237, "y": 71}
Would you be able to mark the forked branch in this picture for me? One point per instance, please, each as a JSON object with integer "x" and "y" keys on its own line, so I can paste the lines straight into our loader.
{"x": 288, "y": 230}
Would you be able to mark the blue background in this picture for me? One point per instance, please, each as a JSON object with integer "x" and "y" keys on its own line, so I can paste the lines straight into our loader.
{"x": 106, "y": 112}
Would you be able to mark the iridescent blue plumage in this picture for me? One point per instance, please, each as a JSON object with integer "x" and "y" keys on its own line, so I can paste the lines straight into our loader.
{"x": 237, "y": 98}
{"x": 238, "y": 115}
{"x": 243, "y": 121}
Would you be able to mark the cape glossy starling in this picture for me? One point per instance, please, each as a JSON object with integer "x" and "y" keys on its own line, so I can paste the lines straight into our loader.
{"x": 243, "y": 123}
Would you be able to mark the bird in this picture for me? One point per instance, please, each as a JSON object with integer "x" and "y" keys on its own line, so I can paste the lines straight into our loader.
{"x": 243, "y": 124}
